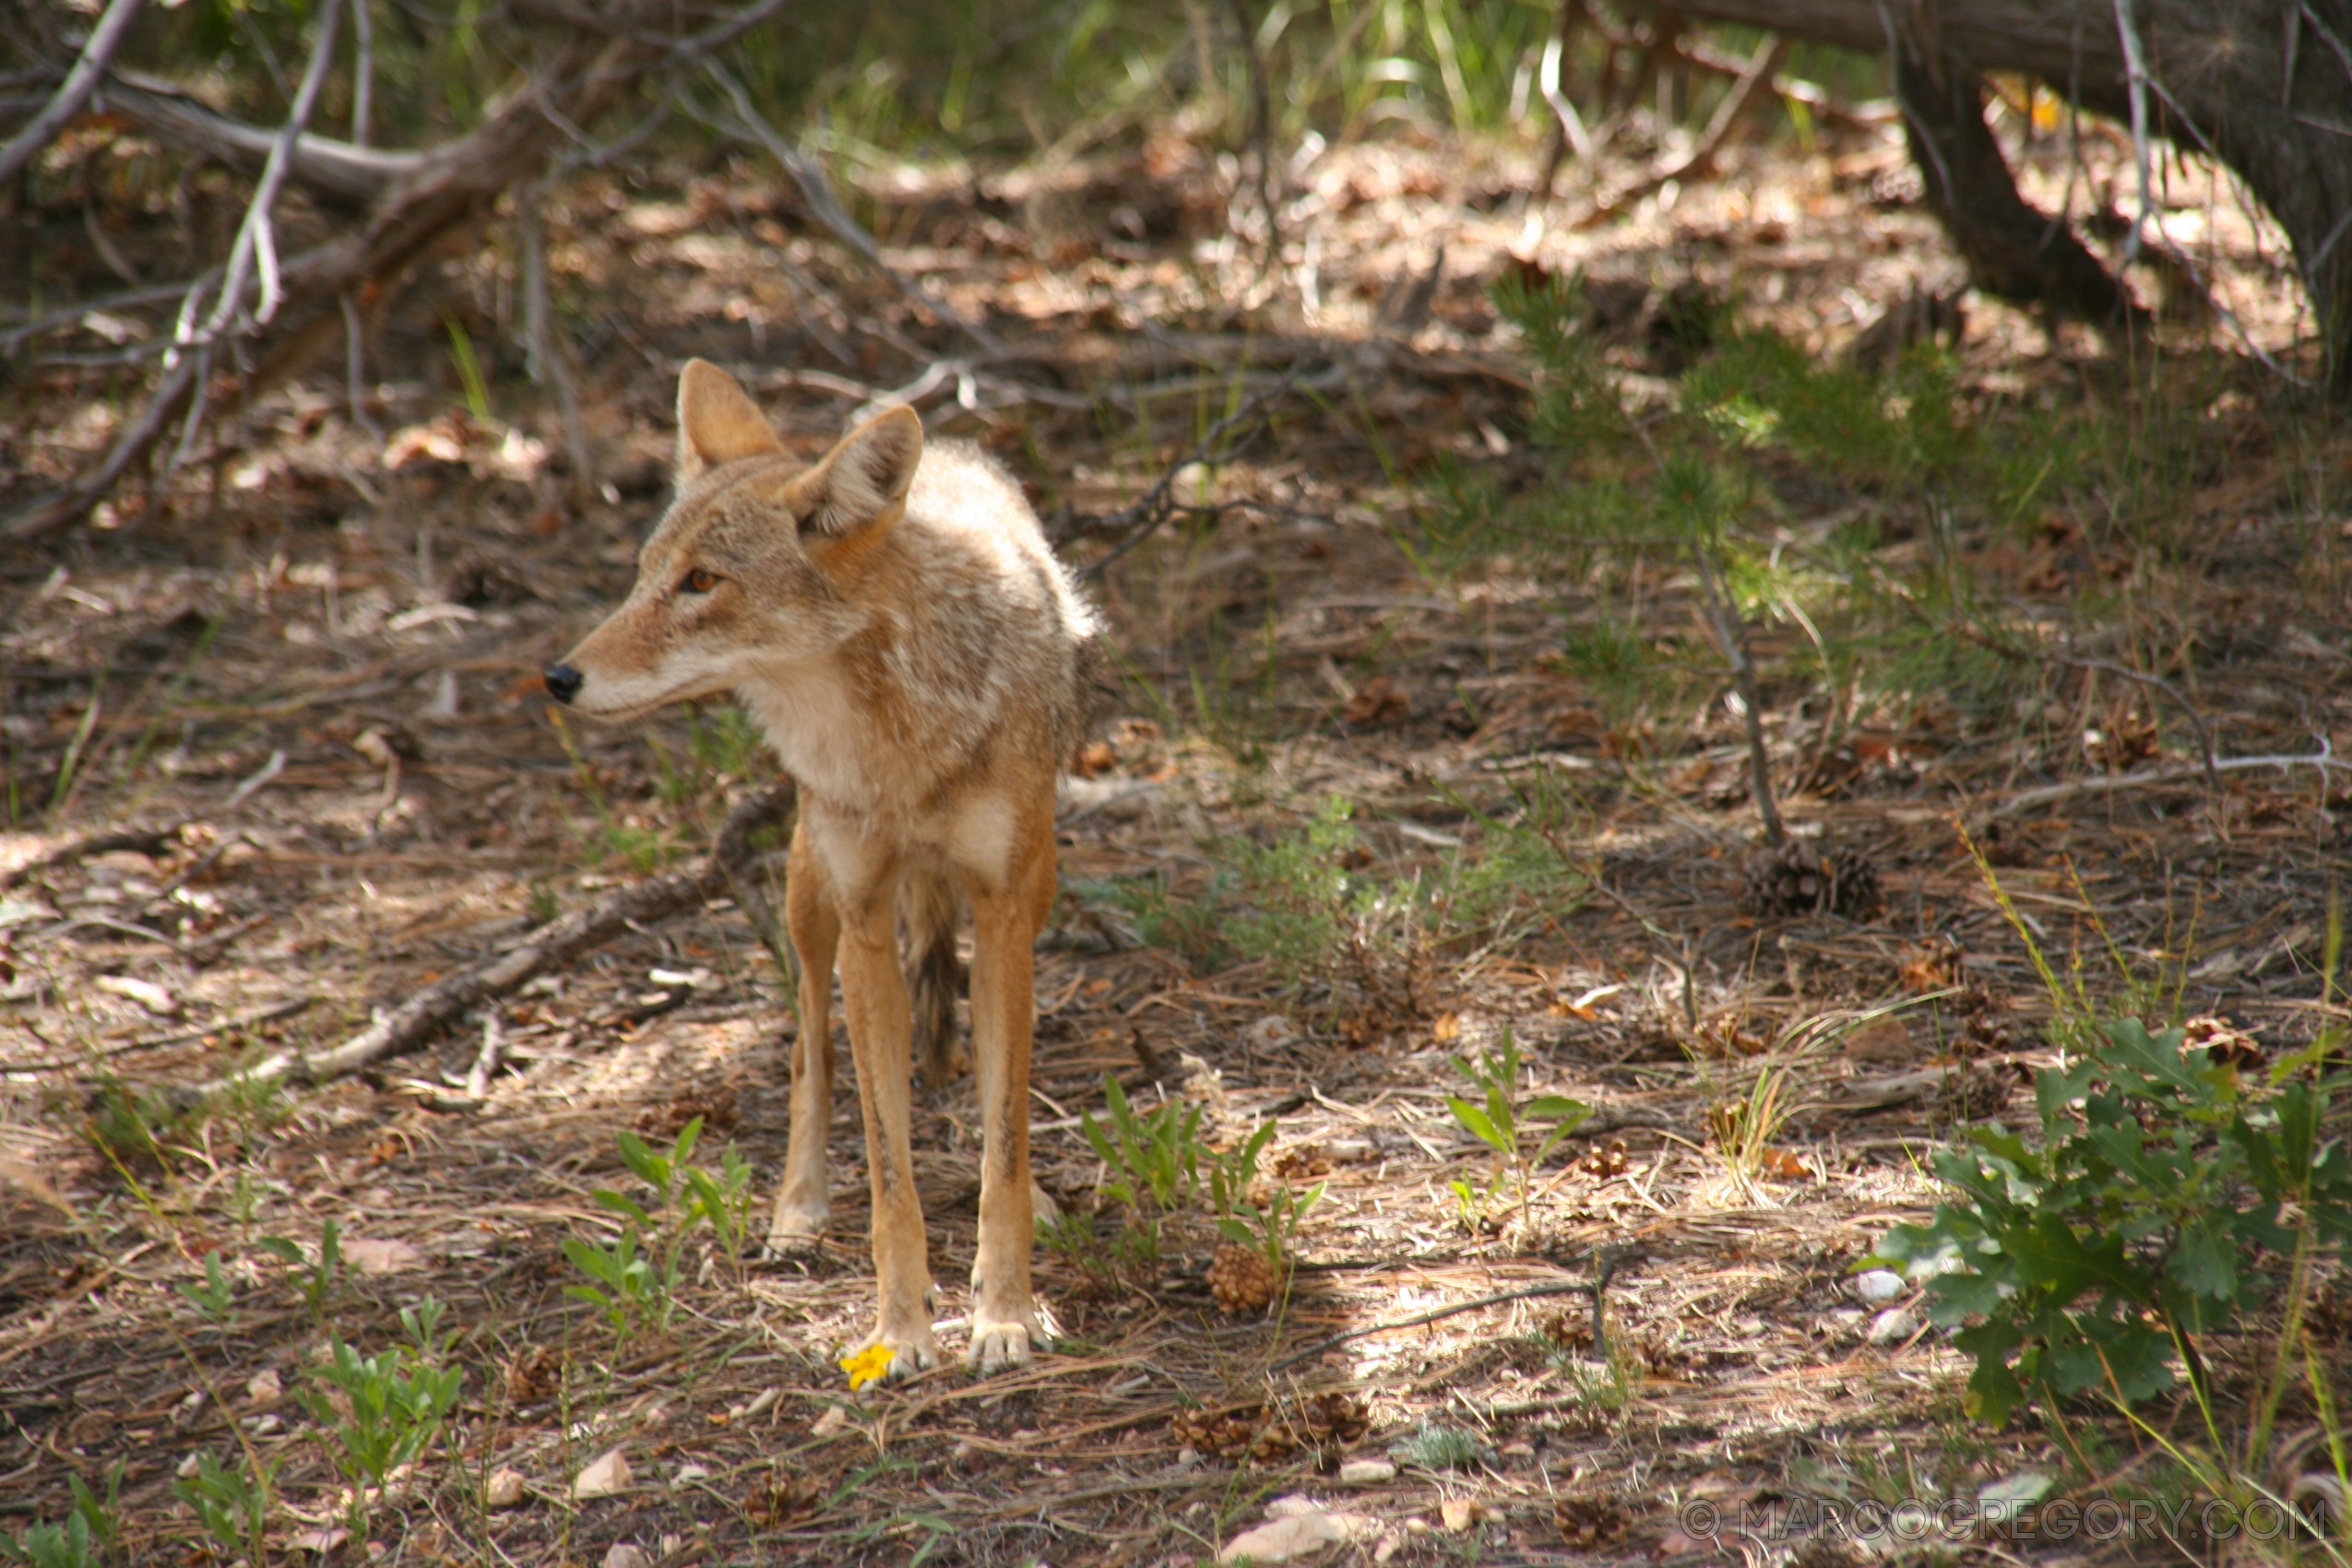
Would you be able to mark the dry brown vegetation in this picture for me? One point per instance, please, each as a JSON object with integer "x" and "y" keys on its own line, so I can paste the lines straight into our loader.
{"x": 277, "y": 757}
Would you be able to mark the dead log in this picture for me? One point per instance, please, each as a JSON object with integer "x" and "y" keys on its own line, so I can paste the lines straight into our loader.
{"x": 2265, "y": 85}
{"x": 423, "y": 1016}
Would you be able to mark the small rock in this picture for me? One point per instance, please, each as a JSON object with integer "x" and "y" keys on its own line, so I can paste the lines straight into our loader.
{"x": 832, "y": 1421}
{"x": 1390, "y": 1544}
{"x": 1366, "y": 1472}
{"x": 147, "y": 994}
{"x": 688, "y": 1475}
{"x": 505, "y": 1488}
{"x": 1349, "y": 1151}
{"x": 265, "y": 1389}
{"x": 1270, "y": 1032}
{"x": 1878, "y": 1286}
{"x": 606, "y": 1474}
{"x": 622, "y": 1555}
{"x": 1291, "y": 1507}
{"x": 1292, "y": 1537}
{"x": 1896, "y": 1323}
{"x": 370, "y": 1256}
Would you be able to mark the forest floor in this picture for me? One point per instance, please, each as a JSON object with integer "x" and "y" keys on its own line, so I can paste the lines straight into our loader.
{"x": 1377, "y": 795}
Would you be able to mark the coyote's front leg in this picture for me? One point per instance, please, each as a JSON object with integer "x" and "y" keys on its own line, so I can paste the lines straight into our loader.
{"x": 873, "y": 993}
{"x": 1005, "y": 1319}
{"x": 804, "y": 1203}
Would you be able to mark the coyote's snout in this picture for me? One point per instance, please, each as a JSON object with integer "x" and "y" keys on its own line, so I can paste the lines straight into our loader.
{"x": 896, "y": 624}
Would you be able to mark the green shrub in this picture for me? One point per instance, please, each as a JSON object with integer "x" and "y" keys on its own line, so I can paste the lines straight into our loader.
{"x": 2167, "y": 1194}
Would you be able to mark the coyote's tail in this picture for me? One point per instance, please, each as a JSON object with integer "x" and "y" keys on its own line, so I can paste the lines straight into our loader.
{"x": 935, "y": 975}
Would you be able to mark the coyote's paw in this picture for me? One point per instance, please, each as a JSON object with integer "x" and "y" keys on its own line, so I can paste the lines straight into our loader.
{"x": 797, "y": 1227}
{"x": 909, "y": 1353}
{"x": 998, "y": 1344}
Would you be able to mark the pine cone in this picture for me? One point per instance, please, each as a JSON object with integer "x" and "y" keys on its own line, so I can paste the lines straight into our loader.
{"x": 1241, "y": 1279}
{"x": 1330, "y": 1420}
{"x": 1225, "y": 1434}
{"x": 1591, "y": 1520}
{"x": 1805, "y": 877}
{"x": 2225, "y": 1044}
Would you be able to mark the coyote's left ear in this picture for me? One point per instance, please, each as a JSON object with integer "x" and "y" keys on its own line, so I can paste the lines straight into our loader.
{"x": 864, "y": 478}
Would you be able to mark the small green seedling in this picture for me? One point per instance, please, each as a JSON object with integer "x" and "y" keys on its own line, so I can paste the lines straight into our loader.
{"x": 1271, "y": 1230}
{"x": 1157, "y": 1155}
{"x": 232, "y": 1507}
{"x": 1501, "y": 1122}
{"x": 314, "y": 1277}
{"x": 387, "y": 1413}
{"x": 215, "y": 1295}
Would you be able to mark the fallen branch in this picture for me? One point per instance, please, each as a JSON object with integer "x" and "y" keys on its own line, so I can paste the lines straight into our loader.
{"x": 2324, "y": 759}
{"x": 153, "y": 842}
{"x": 80, "y": 83}
{"x": 1605, "y": 1264}
{"x": 427, "y": 1013}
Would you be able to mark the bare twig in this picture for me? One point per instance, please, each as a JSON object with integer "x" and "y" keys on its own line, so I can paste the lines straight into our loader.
{"x": 1157, "y": 504}
{"x": 2135, "y": 66}
{"x": 438, "y": 191}
{"x": 1605, "y": 1264}
{"x": 1572, "y": 132}
{"x": 548, "y": 359}
{"x": 749, "y": 124}
{"x": 363, "y": 69}
{"x": 1734, "y": 638}
{"x": 2324, "y": 759}
{"x": 256, "y": 247}
{"x": 80, "y": 83}
{"x": 1757, "y": 72}
{"x": 428, "y": 1012}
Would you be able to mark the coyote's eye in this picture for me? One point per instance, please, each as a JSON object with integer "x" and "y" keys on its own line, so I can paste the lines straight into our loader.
{"x": 698, "y": 581}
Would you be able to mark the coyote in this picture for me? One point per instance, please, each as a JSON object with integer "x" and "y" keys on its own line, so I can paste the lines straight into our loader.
{"x": 895, "y": 621}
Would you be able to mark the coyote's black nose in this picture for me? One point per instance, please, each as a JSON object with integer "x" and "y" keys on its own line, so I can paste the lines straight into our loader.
{"x": 562, "y": 682}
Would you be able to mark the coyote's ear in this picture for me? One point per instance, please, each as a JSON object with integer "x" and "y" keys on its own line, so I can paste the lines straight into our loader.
{"x": 717, "y": 421}
{"x": 864, "y": 478}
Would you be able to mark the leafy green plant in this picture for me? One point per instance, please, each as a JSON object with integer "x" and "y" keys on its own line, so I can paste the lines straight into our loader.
{"x": 232, "y": 1507}
{"x": 1432, "y": 1445}
{"x": 624, "y": 1289}
{"x": 87, "y": 1537}
{"x": 2165, "y": 1192}
{"x": 1500, "y": 1118}
{"x": 1744, "y": 1126}
{"x": 214, "y": 1295}
{"x": 631, "y": 1284}
{"x": 1130, "y": 1253}
{"x": 314, "y": 1274}
{"x": 378, "y": 1411}
{"x": 1271, "y": 1230}
{"x": 1154, "y": 1155}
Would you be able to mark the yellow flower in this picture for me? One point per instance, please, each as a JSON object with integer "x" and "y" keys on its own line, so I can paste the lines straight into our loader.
{"x": 868, "y": 1365}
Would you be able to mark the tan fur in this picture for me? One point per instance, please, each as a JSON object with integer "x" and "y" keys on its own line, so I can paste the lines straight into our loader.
{"x": 895, "y": 621}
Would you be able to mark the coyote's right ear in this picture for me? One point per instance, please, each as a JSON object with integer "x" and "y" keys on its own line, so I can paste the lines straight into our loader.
{"x": 717, "y": 421}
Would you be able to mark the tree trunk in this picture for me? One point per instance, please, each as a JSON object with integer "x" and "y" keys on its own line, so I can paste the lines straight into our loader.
{"x": 2264, "y": 84}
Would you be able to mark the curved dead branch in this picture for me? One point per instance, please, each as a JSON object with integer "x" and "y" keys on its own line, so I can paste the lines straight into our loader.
{"x": 426, "y": 1014}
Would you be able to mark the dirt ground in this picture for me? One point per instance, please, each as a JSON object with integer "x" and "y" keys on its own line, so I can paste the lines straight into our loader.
{"x": 301, "y": 682}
